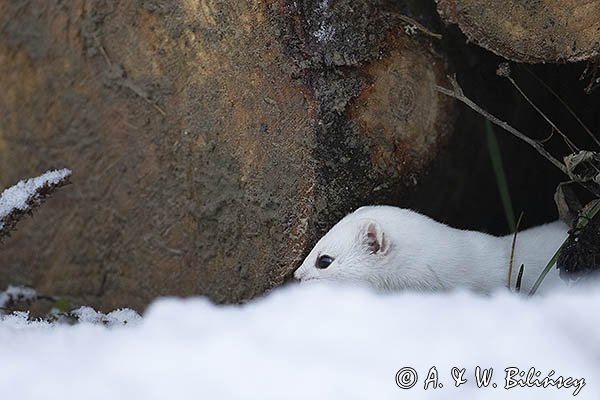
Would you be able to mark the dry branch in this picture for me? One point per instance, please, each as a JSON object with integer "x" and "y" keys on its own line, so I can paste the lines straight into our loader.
{"x": 458, "y": 94}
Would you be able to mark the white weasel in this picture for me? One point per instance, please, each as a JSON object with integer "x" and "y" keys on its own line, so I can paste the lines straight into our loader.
{"x": 393, "y": 249}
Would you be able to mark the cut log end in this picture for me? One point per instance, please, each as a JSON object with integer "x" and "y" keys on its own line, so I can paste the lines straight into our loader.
{"x": 548, "y": 31}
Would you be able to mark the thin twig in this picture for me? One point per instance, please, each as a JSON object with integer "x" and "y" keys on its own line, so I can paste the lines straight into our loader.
{"x": 504, "y": 71}
{"x": 547, "y": 139}
{"x": 565, "y": 105}
{"x": 512, "y": 251}
{"x": 572, "y": 146}
{"x": 458, "y": 94}
{"x": 420, "y": 27}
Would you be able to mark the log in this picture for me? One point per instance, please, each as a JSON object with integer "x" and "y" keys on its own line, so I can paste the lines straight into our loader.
{"x": 541, "y": 31}
{"x": 211, "y": 142}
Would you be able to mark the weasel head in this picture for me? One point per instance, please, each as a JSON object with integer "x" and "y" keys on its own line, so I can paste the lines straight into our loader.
{"x": 354, "y": 250}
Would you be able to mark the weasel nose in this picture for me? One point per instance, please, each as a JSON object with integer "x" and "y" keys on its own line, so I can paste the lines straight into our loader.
{"x": 299, "y": 274}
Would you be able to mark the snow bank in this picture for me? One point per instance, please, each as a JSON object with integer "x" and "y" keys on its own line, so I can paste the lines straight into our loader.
{"x": 310, "y": 342}
{"x": 18, "y": 196}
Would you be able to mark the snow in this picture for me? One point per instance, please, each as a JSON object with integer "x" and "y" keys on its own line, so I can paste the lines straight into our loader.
{"x": 16, "y": 293}
{"x": 309, "y": 342}
{"x": 326, "y": 30}
{"x": 121, "y": 316}
{"x": 17, "y": 196}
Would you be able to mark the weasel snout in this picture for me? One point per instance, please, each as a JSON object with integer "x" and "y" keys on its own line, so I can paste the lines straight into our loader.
{"x": 299, "y": 274}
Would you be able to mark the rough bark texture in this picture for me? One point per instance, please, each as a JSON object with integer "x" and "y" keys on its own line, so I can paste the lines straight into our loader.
{"x": 211, "y": 142}
{"x": 531, "y": 31}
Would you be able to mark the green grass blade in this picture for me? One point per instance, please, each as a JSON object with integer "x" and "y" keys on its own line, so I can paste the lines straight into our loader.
{"x": 537, "y": 284}
{"x": 498, "y": 167}
{"x": 519, "y": 278}
{"x": 540, "y": 279}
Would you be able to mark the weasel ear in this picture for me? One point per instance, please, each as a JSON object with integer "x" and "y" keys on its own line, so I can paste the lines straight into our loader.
{"x": 375, "y": 238}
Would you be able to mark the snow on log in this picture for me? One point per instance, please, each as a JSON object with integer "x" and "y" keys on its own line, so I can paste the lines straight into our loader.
{"x": 14, "y": 294}
{"x": 23, "y": 197}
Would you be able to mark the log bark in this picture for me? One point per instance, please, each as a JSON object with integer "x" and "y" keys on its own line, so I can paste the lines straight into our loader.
{"x": 211, "y": 142}
{"x": 540, "y": 31}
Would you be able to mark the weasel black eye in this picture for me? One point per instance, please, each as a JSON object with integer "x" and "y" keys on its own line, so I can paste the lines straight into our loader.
{"x": 324, "y": 262}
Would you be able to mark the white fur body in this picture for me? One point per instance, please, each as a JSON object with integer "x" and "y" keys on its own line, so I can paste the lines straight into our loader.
{"x": 416, "y": 252}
